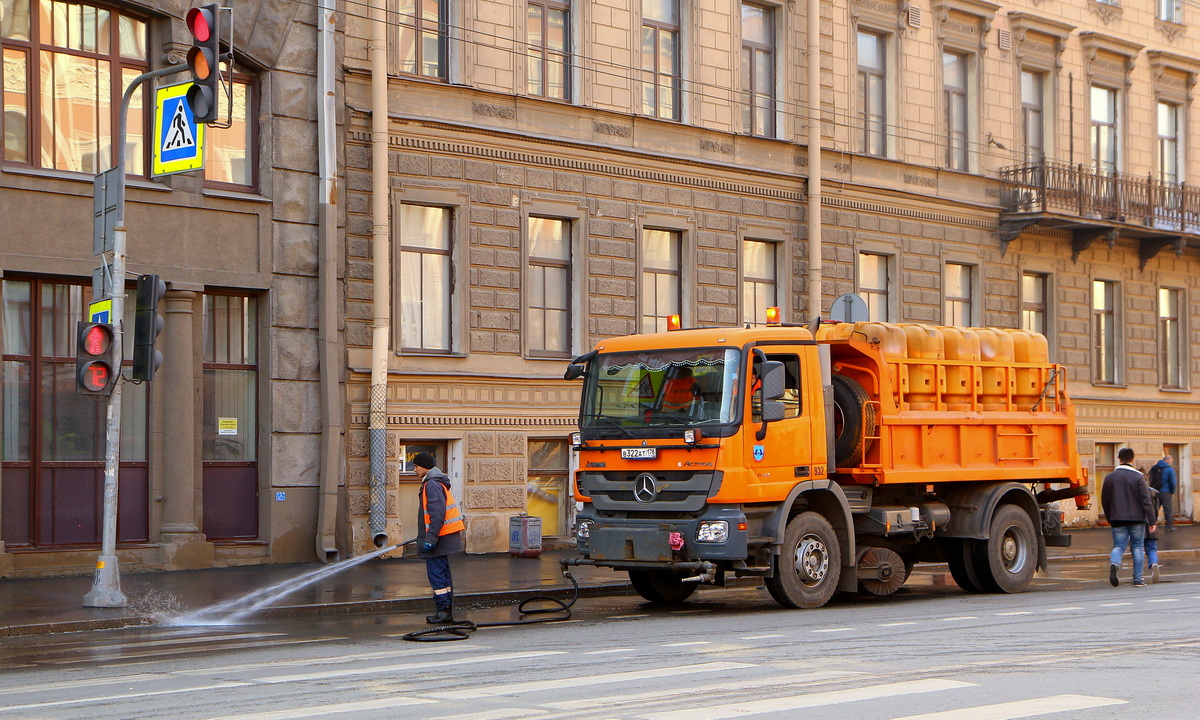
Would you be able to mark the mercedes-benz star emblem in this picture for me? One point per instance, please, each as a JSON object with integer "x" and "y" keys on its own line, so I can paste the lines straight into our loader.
{"x": 644, "y": 489}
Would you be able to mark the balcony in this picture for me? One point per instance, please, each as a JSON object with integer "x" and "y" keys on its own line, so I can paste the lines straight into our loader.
{"x": 1095, "y": 205}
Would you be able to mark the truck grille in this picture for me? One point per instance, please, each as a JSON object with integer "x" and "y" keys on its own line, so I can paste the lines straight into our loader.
{"x": 673, "y": 491}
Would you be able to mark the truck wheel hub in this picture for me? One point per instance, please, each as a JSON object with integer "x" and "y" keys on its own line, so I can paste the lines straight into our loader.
{"x": 812, "y": 560}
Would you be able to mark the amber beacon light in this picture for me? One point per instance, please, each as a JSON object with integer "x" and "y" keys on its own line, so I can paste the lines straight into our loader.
{"x": 772, "y": 316}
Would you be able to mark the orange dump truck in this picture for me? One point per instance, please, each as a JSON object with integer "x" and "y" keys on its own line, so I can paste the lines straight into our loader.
{"x": 822, "y": 463}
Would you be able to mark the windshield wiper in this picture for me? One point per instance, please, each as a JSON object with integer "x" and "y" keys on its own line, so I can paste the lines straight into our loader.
{"x": 614, "y": 422}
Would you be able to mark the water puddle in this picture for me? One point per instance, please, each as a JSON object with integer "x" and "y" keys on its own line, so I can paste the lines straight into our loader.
{"x": 236, "y": 610}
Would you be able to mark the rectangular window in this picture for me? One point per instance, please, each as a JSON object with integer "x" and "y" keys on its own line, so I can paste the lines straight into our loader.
{"x": 546, "y": 490}
{"x": 548, "y": 298}
{"x": 1106, "y": 462}
{"x": 1104, "y": 332}
{"x": 954, "y": 83}
{"x": 1170, "y": 10}
{"x": 661, "y": 66}
{"x": 230, "y": 377}
{"x": 660, "y": 278}
{"x": 1033, "y": 122}
{"x": 408, "y": 451}
{"x": 958, "y": 294}
{"x": 425, "y": 281}
{"x": 758, "y": 280}
{"x": 1168, "y": 142}
{"x": 758, "y": 69}
{"x": 423, "y": 28}
{"x": 1170, "y": 342}
{"x": 1104, "y": 129}
{"x": 228, "y": 159}
{"x": 874, "y": 285}
{"x": 1033, "y": 302}
{"x": 547, "y": 42}
{"x": 872, "y": 92}
{"x": 66, "y": 65}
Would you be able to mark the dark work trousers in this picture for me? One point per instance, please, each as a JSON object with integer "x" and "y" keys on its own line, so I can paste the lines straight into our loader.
{"x": 1168, "y": 510}
{"x": 438, "y": 570}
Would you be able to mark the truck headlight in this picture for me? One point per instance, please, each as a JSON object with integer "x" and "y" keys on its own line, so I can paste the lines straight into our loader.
{"x": 712, "y": 531}
{"x": 584, "y": 529}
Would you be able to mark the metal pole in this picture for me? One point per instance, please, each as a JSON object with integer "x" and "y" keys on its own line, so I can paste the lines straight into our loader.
{"x": 106, "y": 584}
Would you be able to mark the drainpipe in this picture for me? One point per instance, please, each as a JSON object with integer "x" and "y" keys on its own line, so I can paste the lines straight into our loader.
{"x": 377, "y": 425}
{"x": 815, "y": 261}
{"x": 327, "y": 295}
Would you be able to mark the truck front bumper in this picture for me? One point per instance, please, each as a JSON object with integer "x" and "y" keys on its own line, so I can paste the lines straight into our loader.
{"x": 644, "y": 541}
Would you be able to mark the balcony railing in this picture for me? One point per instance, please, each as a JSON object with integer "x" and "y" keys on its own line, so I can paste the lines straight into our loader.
{"x": 1087, "y": 193}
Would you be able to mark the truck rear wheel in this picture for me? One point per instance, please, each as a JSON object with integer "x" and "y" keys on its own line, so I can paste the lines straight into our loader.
{"x": 809, "y": 565}
{"x": 661, "y": 586}
{"x": 1007, "y": 560}
{"x": 853, "y": 421}
{"x": 961, "y": 556}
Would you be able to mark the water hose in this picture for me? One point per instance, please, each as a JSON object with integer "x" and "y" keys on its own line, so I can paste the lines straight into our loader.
{"x": 462, "y": 629}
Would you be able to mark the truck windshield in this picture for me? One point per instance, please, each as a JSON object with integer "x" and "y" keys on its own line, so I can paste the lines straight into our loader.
{"x": 661, "y": 387}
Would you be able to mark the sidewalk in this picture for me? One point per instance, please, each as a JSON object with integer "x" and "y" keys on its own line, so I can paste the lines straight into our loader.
{"x": 48, "y": 605}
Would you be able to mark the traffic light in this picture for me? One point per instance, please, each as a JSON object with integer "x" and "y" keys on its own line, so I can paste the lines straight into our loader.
{"x": 96, "y": 367}
{"x": 147, "y": 324}
{"x": 204, "y": 60}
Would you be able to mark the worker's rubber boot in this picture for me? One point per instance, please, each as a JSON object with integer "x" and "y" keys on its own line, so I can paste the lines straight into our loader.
{"x": 440, "y": 617}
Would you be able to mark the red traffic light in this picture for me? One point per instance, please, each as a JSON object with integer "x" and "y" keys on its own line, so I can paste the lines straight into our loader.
{"x": 97, "y": 339}
{"x": 95, "y": 358}
{"x": 200, "y": 23}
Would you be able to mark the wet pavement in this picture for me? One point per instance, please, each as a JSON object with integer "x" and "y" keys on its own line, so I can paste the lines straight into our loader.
{"x": 50, "y": 605}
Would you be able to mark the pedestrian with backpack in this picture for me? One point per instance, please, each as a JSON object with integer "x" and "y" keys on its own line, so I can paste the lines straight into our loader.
{"x": 1164, "y": 474}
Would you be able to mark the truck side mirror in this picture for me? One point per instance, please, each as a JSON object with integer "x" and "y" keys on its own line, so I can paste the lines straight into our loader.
{"x": 772, "y": 382}
{"x": 574, "y": 371}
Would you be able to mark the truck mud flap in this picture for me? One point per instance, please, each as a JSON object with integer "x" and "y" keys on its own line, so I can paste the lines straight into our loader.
{"x": 645, "y": 544}
{"x": 1058, "y": 540}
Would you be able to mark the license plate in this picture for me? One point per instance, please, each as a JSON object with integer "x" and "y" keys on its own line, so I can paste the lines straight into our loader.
{"x": 646, "y": 453}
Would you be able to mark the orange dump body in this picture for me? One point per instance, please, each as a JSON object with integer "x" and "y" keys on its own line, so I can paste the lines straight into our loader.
{"x": 957, "y": 404}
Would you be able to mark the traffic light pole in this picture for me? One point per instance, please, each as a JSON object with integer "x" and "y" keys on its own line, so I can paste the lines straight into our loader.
{"x": 106, "y": 584}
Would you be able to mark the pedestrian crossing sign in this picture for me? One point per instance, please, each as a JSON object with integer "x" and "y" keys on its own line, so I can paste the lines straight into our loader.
{"x": 178, "y": 139}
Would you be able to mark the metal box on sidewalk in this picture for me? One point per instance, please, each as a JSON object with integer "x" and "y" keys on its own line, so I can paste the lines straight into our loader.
{"x": 524, "y": 536}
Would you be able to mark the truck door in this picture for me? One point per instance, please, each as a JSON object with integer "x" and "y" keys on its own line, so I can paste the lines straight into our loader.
{"x": 783, "y": 456}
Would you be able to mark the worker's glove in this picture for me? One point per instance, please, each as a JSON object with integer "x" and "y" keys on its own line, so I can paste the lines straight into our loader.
{"x": 426, "y": 546}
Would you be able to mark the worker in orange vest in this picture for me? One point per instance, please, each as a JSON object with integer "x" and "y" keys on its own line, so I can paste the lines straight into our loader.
{"x": 441, "y": 534}
{"x": 680, "y": 392}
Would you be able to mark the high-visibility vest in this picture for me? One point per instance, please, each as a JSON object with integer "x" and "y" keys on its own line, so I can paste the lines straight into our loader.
{"x": 678, "y": 394}
{"x": 453, "y": 521}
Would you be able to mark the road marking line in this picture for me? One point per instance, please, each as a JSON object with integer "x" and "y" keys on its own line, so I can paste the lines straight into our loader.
{"x": 379, "y": 669}
{"x": 760, "y": 637}
{"x": 1064, "y": 609}
{"x": 614, "y": 650}
{"x": 501, "y": 714}
{"x": 797, "y": 702}
{"x": 808, "y": 678}
{"x": 1015, "y": 612}
{"x": 685, "y": 644}
{"x": 123, "y": 696}
{"x": 1020, "y": 709}
{"x": 574, "y": 682}
{"x": 332, "y": 660}
{"x": 1115, "y": 604}
{"x": 624, "y": 617}
{"x": 1164, "y": 600}
{"x": 689, "y": 612}
{"x": 837, "y": 629}
{"x": 896, "y": 624}
{"x": 334, "y": 709}
{"x": 72, "y": 684}
{"x": 958, "y": 617}
{"x": 91, "y": 658}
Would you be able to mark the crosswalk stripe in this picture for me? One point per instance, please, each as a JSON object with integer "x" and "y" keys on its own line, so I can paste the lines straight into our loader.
{"x": 1020, "y": 709}
{"x": 122, "y": 696}
{"x": 575, "y": 682}
{"x": 399, "y": 667}
{"x": 332, "y": 659}
{"x": 760, "y": 637}
{"x": 334, "y": 709}
{"x": 896, "y": 624}
{"x": 777, "y": 681}
{"x": 194, "y": 649}
{"x": 1015, "y": 612}
{"x": 797, "y": 702}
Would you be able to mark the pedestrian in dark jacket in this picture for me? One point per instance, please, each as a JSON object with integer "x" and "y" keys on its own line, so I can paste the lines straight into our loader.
{"x": 439, "y": 531}
{"x": 1125, "y": 498}
{"x": 1166, "y": 491}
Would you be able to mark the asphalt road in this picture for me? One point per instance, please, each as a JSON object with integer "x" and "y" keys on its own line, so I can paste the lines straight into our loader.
{"x": 1071, "y": 647}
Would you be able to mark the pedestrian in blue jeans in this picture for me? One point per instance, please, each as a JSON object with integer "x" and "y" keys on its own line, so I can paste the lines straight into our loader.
{"x": 1125, "y": 499}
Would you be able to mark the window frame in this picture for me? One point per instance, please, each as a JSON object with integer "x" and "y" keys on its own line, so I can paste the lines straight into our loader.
{"x": 1098, "y": 127}
{"x": 655, "y": 73}
{"x": 952, "y": 305}
{"x": 418, "y": 27}
{"x": 1106, "y": 370}
{"x": 451, "y": 293}
{"x": 1029, "y": 307}
{"x": 752, "y": 312}
{"x": 567, "y": 266}
{"x": 752, "y": 53}
{"x": 873, "y": 124}
{"x": 252, "y": 138}
{"x": 957, "y": 118}
{"x": 1175, "y": 141}
{"x": 1168, "y": 380}
{"x": 1030, "y": 109}
{"x": 566, "y": 500}
{"x": 876, "y": 297}
{"x": 646, "y": 297}
{"x": 119, "y": 67}
{"x": 541, "y": 54}
{"x": 1169, "y": 11}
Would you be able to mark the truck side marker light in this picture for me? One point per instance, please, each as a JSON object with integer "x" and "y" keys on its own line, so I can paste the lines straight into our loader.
{"x": 742, "y": 526}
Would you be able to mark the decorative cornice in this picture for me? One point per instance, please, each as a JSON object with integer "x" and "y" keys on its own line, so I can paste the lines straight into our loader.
{"x": 362, "y": 420}
{"x": 911, "y": 213}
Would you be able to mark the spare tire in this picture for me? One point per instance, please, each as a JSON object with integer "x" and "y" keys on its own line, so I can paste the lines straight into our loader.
{"x": 853, "y": 421}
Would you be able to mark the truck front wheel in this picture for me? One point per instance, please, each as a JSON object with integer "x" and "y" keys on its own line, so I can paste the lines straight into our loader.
{"x": 809, "y": 565}
{"x": 1008, "y": 557}
{"x": 661, "y": 586}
